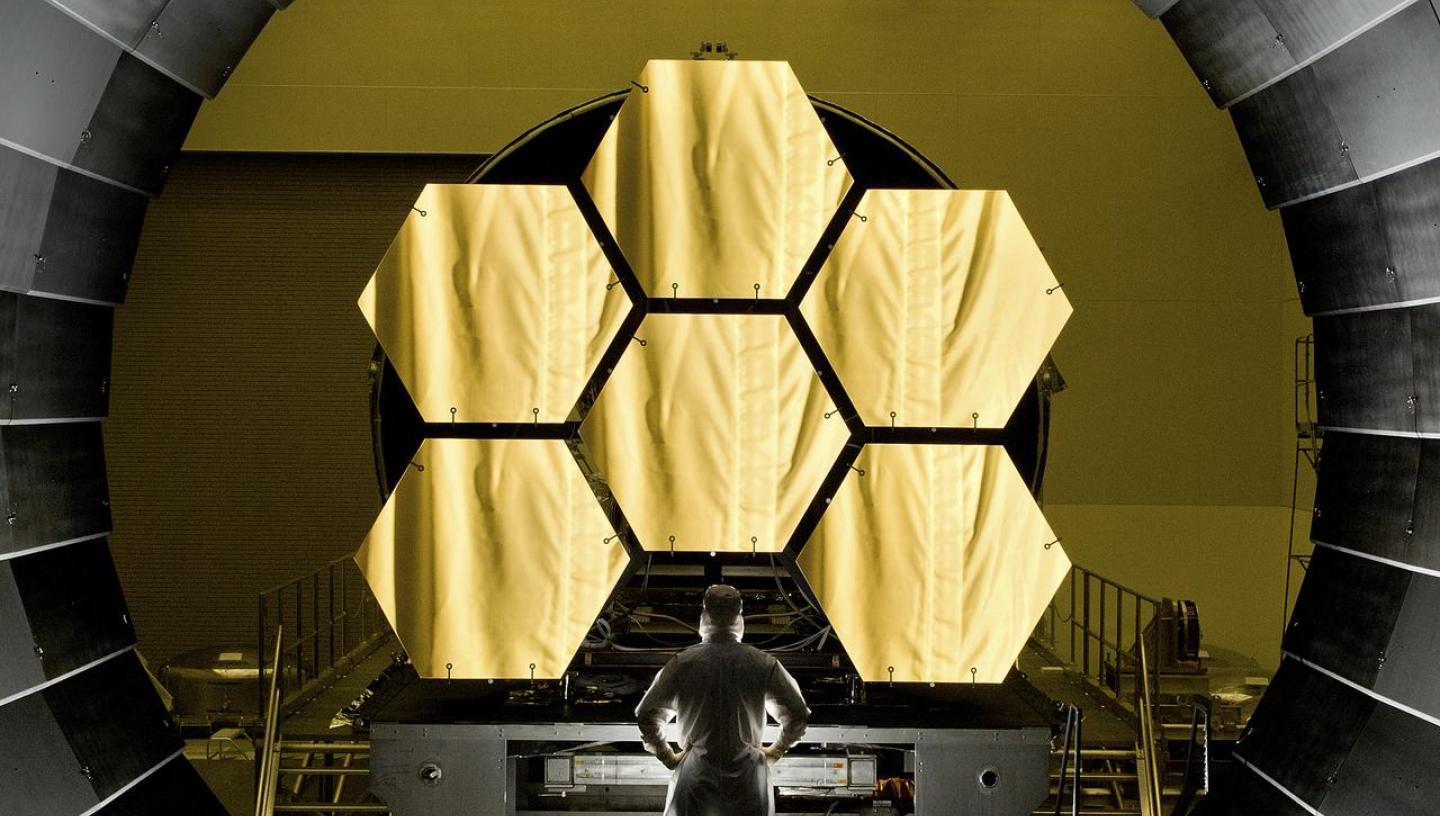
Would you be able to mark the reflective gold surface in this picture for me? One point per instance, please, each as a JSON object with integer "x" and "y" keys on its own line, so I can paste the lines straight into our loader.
{"x": 933, "y": 562}
{"x": 492, "y": 558}
{"x": 935, "y": 308}
{"x": 713, "y": 432}
{"x": 494, "y": 303}
{"x": 717, "y": 178}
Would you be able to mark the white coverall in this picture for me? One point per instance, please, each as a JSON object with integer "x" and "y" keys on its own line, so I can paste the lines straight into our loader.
{"x": 721, "y": 689}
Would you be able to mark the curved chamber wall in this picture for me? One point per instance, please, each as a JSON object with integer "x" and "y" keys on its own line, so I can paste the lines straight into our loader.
{"x": 1337, "y": 104}
{"x": 97, "y": 97}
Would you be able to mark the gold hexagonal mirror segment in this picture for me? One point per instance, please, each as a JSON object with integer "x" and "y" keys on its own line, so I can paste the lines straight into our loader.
{"x": 717, "y": 179}
{"x": 937, "y": 309}
{"x": 493, "y": 559}
{"x": 933, "y": 566}
{"x": 492, "y": 301}
{"x": 713, "y": 435}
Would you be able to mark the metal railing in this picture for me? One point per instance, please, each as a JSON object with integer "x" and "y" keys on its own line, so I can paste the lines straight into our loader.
{"x": 330, "y": 617}
{"x": 1105, "y": 621}
{"x": 1070, "y": 750}
{"x": 1197, "y": 756}
{"x": 1150, "y": 779}
{"x": 1105, "y": 625}
{"x": 267, "y": 761}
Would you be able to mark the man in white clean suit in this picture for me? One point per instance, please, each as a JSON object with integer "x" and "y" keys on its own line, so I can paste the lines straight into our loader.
{"x": 721, "y": 689}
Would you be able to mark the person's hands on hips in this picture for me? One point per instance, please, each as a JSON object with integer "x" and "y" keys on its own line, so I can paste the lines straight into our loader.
{"x": 672, "y": 760}
{"x": 772, "y": 754}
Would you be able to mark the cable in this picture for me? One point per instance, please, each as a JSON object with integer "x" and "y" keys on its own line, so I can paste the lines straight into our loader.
{"x": 785, "y": 596}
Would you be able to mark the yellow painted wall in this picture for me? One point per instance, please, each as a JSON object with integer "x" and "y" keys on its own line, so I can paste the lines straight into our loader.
{"x": 1172, "y": 450}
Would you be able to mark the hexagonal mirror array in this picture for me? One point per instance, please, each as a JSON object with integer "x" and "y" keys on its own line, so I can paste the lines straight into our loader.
{"x": 526, "y": 559}
{"x": 717, "y": 179}
{"x": 715, "y": 435}
{"x": 492, "y": 303}
{"x": 714, "y": 431}
{"x": 933, "y": 563}
{"x": 937, "y": 309}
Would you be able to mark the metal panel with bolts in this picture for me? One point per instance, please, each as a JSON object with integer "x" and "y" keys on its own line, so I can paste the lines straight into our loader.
{"x": 1383, "y": 90}
{"x": 57, "y": 71}
{"x": 1220, "y": 39}
{"x": 57, "y": 358}
{"x": 74, "y": 609}
{"x": 1392, "y": 768}
{"x": 1324, "y": 628}
{"x": 1238, "y": 46}
{"x": 138, "y": 127}
{"x": 63, "y": 233}
{"x": 1363, "y": 371}
{"x": 1288, "y": 743}
{"x": 30, "y": 183}
{"x": 123, "y": 21}
{"x": 199, "y": 42}
{"x": 1365, "y": 494}
{"x": 93, "y": 727}
{"x": 1371, "y": 245}
{"x": 91, "y": 234}
{"x": 1411, "y": 660}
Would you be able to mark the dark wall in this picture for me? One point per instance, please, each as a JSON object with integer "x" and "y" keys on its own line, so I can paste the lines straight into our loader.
{"x": 238, "y": 440}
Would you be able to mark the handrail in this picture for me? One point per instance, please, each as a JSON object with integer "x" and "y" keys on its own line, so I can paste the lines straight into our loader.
{"x": 1105, "y": 619}
{"x": 268, "y": 760}
{"x": 1070, "y": 745}
{"x": 1150, "y": 787}
{"x": 1199, "y": 736}
{"x": 331, "y": 616}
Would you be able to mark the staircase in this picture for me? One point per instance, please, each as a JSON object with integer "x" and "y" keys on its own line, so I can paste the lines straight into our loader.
{"x": 329, "y": 776}
{"x": 1109, "y": 783}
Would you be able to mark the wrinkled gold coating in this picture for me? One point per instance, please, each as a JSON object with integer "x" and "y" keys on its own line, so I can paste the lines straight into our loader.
{"x": 718, "y": 177}
{"x": 494, "y": 303}
{"x": 492, "y": 558}
{"x": 935, "y": 308}
{"x": 933, "y": 563}
{"x": 713, "y": 432}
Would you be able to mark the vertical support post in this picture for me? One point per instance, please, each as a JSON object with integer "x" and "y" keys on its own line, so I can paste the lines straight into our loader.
{"x": 260, "y": 662}
{"x": 315, "y": 621}
{"x": 344, "y": 612}
{"x": 1072, "y": 615}
{"x": 1100, "y": 670}
{"x": 1085, "y": 632}
{"x": 299, "y": 628}
{"x": 330, "y": 608}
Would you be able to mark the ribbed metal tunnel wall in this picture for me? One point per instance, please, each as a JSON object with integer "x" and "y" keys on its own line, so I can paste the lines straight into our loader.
{"x": 1337, "y": 103}
{"x": 96, "y": 97}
